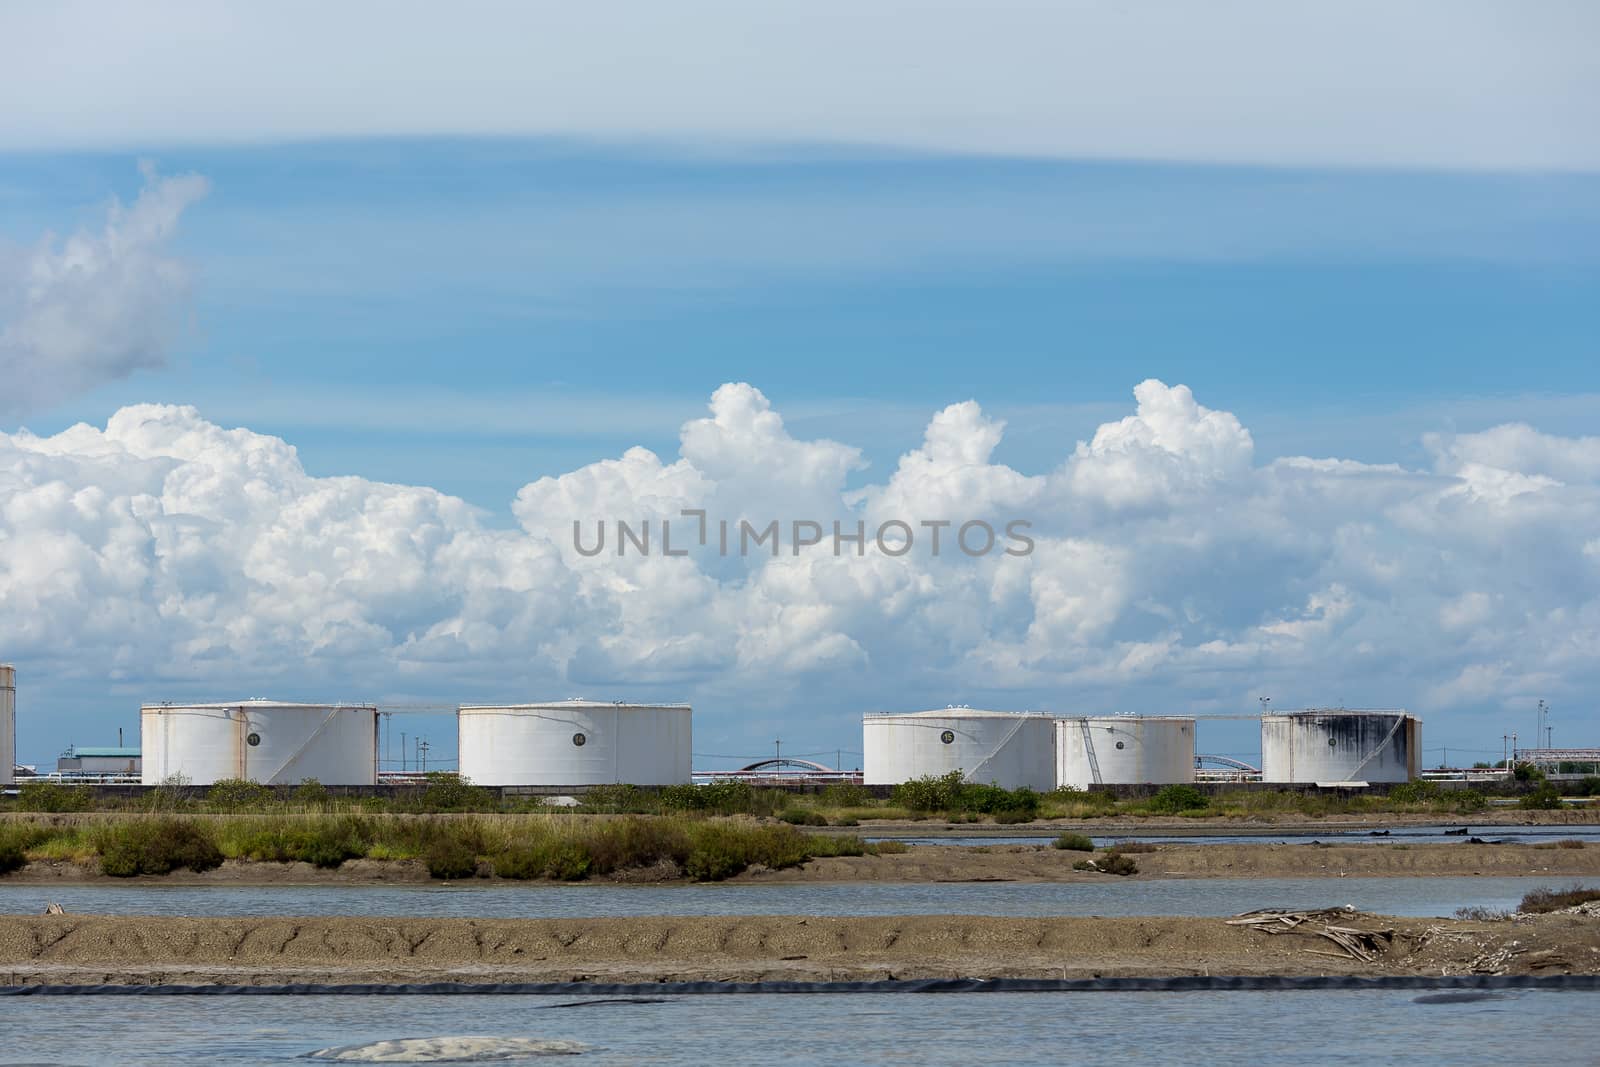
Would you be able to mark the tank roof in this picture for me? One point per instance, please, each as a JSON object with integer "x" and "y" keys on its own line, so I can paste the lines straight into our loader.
{"x": 957, "y": 713}
{"x": 253, "y": 702}
{"x": 1125, "y": 718}
{"x": 1325, "y": 712}
{"x": 568, "y": 704}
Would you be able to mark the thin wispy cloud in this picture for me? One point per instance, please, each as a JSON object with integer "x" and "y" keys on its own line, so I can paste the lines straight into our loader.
{"x": 1438, "y": 83}
{"x": 96, "y": 306}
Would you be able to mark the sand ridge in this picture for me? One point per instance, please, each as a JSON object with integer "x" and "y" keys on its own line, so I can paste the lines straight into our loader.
{"x": 76, "y": 949}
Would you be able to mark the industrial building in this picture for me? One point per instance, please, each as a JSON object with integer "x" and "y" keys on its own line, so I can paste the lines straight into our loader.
{"x": 260, "y": 740}
{"x": 1123, "y": 750}
{"x": 8, "y": 724}
{"x": 89, "y": 760}
{"x": 575, "y": 743}
{"x": 988, "y": 747}
{"x": 1338, "y": 745}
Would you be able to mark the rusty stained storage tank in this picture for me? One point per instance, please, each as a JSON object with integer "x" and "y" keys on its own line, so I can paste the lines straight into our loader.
{"x": 1339, "y": 745}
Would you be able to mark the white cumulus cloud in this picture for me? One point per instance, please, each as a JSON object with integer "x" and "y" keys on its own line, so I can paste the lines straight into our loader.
{"x": 1169, "y": 571}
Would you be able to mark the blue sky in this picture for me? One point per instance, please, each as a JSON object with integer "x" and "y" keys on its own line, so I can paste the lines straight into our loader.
{"x": 372, "y": 299}
{"x": 1363, "y": 465}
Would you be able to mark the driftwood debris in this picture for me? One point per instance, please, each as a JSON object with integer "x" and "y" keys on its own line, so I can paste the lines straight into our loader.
{"x": 1355, "y": 943}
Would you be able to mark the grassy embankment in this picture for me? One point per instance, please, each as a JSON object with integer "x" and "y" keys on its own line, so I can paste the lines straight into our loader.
{"x": 451, "y": 846}
{"x": 946, "y": 798}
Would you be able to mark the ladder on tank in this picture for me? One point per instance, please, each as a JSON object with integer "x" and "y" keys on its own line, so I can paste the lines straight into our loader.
{"x": 1088, "y": 749}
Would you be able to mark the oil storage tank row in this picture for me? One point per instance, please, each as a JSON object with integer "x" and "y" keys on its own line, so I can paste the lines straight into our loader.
{"x": 1011, "y": 749}
{"x": 260, "y": 740}
{"x": 565, "y": 743}
{"x": 575, "y": 742}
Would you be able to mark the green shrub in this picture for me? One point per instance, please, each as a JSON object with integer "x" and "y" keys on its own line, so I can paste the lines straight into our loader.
{"x": 803, "y": 817}
{"x": 562, "y": 861}
{"x": 1527, "y": 772}
{"x": 451, "y": 857}
{"x": 54, "y": 797}
{"x": 310, "y": 793}
{"x": 844, "y": 795}
{"x": 1109, "y": 863}
{"x": 1006, "y": 805}
{"x": 949, "y": 793}
{"x": 238, "y": 794}
{"x": 322, "y": 843}
{"x": 158, "y": 846}
{"x": 446, "y": 791}
{"x": 888, "y": 848}
{"x": 12, "y": 857}
{"x": 1468, "y": 801}
{"x": 620, "y": 798}
{"x": 1074, "y": 843}
{"x": 1543, "y": 900}
{"x": 928, "y": 793}
{"x": 1547, "y": 797}
{"x": 1417, "y": 792}
{"x": 1588, "y": 787}
{"x": 1173, "y": 799}
{"x": 618, "y": 844}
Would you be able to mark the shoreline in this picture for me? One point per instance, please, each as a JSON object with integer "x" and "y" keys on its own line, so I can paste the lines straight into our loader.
{"x": 942, "y": 863}
{"x": 99, "y": 950}
{"x": 1215, "y": 826}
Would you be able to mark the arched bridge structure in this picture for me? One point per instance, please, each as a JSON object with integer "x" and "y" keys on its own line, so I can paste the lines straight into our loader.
{"x": 1202, "y": 762}
{"x": 777, "y": 765}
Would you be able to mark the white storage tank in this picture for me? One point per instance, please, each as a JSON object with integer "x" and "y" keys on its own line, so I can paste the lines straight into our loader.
{"x": 575, "y": 742}
{"x": 260, "y": 740}
{"x": 8, "y": 724}
{"x": 1008, "y": 749}
{"x": 1124, "y": 749}
{"x": 1340, "y": 746}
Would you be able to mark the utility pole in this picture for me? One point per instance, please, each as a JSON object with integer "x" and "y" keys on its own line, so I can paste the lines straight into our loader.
{"x": 1544, "y": 709}
{"x": 777, "y": 745}
{"x": 1505, "y": 752}
{"x": 422, "y": 755}
{"x": 402, "y": 751}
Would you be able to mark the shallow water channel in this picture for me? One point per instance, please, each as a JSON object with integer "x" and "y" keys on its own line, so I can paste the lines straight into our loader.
{"x": 1113, "y": 896}
{"x": 872, "y": 1028}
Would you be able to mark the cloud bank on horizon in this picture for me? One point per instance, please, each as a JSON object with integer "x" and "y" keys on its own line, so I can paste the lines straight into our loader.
{"x": 1470, "y": 84}
{"x": 1169, "y": 570}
